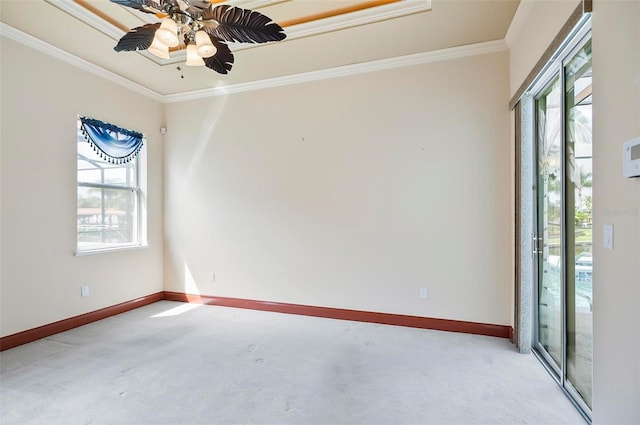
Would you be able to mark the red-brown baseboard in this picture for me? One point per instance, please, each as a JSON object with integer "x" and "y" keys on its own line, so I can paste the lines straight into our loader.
{"x": 30, "y": 335}
{"x": 34, "y": 334}
{"x": 487, "y": 329}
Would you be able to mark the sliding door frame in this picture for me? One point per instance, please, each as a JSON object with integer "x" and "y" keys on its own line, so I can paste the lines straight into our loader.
{"x": 526, "y": 309}
{"x": 522, "y": 105}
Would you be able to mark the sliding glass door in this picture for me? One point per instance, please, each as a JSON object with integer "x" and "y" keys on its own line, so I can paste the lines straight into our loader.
{"x": 550, "y": 224}
{"x": 579, "y": 248}
{"x": 563, "y": 235}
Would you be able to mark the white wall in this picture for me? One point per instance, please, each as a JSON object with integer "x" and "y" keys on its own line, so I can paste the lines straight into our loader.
{"x": 616, "y": 200}
{"x": 40, "y": 276}
{"x": 351, "y": 192}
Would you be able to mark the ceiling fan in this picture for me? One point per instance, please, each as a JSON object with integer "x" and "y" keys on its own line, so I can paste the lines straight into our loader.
{"x": 203, "y": 28}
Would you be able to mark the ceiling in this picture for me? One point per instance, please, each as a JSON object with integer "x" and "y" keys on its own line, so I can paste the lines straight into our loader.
{"x": 321, "y": 34}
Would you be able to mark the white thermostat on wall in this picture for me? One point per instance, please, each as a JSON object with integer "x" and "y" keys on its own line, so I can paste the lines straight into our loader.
{"x": 631, "y": 161}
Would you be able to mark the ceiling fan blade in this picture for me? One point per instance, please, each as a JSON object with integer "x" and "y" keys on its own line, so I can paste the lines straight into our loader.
{"x": 243, "y": 25}
{"x": 198, "y": 6}
{"x": 222, "y": 61}
{"x": 139, "y": 38}
{"x": 148, "y": 6}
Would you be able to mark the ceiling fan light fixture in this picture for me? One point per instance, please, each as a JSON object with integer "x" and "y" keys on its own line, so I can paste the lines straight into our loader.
{"x": 204, "y": 46}
{"x": 204, "y": 27}
{"x": 193, "y": 58}
{"x": 167, "y": 34}
{"x": 159, "y": 49}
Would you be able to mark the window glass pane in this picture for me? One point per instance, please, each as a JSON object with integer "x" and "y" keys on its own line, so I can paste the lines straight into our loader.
{"x": 93, "y": 169}
{"x": 550, "y": 203}
{"x": 579, "y": 225}
{"x": 106, "y": 217}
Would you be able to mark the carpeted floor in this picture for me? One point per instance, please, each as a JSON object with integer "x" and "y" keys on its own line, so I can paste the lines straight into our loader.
{"x": 174, "y": 363}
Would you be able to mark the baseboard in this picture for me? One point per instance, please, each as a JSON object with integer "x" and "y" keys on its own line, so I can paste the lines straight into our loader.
{"x": 34, "y": 334}
{"x": 30, "y": 335}
{"x": 502, "y": 331}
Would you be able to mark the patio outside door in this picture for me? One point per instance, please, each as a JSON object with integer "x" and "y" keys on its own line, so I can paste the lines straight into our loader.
{"x": 563, "y": 237}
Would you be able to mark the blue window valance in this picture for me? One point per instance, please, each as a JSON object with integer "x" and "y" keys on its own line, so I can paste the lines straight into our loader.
{"x": 114, "y": 144}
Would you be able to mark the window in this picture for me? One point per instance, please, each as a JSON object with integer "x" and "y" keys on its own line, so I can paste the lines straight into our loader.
{"x": 109, "y": 194}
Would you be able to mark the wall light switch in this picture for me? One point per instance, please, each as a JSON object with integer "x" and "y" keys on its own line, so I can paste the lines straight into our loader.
{"x": 84, "y": 291}
{"x": 608, "y": 236}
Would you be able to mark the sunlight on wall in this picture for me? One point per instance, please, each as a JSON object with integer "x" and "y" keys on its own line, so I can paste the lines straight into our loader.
{"x": 208, "y": 125}
{"x": 190, "y": 286}
{"x": 194, "y": 300}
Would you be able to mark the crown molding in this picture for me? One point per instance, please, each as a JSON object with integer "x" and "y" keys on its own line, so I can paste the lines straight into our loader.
{"x": 305, "y": 77}
{"x": 55, "y": 52}
{"x": 361, "y": 17}
{"x": 343, "y": 71}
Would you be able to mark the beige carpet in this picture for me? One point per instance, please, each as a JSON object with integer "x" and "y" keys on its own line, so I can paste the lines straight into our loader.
{"x": 174, "y": 363}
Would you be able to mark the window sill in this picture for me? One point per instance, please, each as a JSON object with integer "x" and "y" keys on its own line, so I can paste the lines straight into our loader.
{"x": 93, "y": 251}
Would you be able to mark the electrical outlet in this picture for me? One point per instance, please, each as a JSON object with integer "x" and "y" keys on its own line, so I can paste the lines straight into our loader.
{"x": 84, "y": 291}
{"x": 212, "y": 277}
{"x": 423, "y": 293}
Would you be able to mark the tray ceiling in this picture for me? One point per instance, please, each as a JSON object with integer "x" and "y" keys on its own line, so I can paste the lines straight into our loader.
{"x": 321, "y": 34}
{"x": 299, "y": 18}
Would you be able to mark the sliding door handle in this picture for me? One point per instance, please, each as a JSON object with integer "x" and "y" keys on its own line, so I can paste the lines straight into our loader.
{"x": 536, "y": 243}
